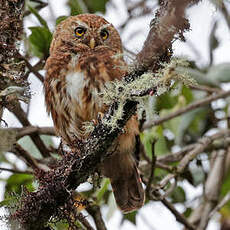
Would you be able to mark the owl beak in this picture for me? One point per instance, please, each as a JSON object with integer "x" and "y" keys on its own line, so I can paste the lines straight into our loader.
{"x": 92, "y": 43}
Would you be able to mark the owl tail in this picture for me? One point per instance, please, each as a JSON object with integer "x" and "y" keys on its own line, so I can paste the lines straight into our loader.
{"x": 128, "y": 191}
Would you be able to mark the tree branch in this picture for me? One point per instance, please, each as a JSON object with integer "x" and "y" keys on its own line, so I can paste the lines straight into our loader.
{"x": 28, "y": 130}
{"x": 95, "y": 212}
{"x": 20, "y": 152}
{"x": 188, "y": 108}
{"x": 201, "y": 145}
{"x": 179, "y": 217}
{"x": 212, "y": 187}
{"x": 15, "y": 171}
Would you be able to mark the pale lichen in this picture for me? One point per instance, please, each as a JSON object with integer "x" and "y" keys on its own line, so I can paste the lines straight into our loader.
{"x": 142, "y": 87}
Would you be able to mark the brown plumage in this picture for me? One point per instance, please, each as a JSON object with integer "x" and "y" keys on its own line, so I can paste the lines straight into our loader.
{"x": 85, "y": 53}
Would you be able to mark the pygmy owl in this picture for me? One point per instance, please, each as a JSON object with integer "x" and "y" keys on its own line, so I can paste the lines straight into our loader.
{"x": 85, "y": 53}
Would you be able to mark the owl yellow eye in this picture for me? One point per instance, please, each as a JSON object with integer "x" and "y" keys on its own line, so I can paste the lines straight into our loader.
{"x": 79, "y": 31}
{"x": 104, "y": 34}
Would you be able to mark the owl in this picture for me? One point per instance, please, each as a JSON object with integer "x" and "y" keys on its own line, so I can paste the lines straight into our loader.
{"x": 85, "y": 53}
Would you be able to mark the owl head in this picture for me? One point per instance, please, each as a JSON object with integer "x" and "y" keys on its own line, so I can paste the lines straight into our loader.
{"x": 86, "y": 32}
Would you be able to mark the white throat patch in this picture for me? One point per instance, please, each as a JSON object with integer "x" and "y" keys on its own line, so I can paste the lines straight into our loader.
{"x": 75, "y": 85}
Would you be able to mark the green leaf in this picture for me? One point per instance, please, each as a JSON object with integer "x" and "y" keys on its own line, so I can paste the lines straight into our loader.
{"x": 166, "y": 101}
{"x": 155, "y": 134}
{"x": 180, "y": 124}
{"x": 147, "y": 139}
{"x": 29, "y": 146}
{"x": 8, "y": 201}
{"x": 198, "y": 124}
{"x": 60, "y": 19}
{"x": 178, "y": 195}
{"x": 187, "y": 93}
{"x": 220, "y": 73}
{"x": 36, "y": 14}
{"x": 103, "y": 190}
{"x": 112, "y": 207}
{"x": 16, "y": 181}
{"x": 225, "y": 188}
{"x": 185, "y": 121}
{"x": 60, "y": 225}
{"x": 131, "y": 217}
{"x": 96, "y": 6}
{"x": 160, "y": 147}
{"x": 39, "y": 41}
{"x": 187, "y": 212}
{"x": 173, "y": 124}
{"x": 76, "y": 7}
{"x": 159, "y": 174}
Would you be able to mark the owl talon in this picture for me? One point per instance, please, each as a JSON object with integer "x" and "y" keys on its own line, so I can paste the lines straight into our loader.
{"x": 94, "y": 122}
{"x": 151, "y": 93}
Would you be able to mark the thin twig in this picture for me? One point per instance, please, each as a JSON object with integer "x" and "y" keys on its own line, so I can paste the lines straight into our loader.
{"x": 16, "y": 171}
{"x": 205, "y": 88}
{"x": 31, "y": 68}
{"x": 38, "y": 66}
{"x": 188, "y": 108}
{"x": 200, "y": 146}
{"x": 21, "y": 152}
{"x": 28, "y": 130}
{"x": 84, "y": 221}
{"x": 174, "y": 157}
{"x": 95, "y": 212}
{"x": 164, "y": 166}
{"x": 152, "y": 170}
{"x": 179, "y": 217}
